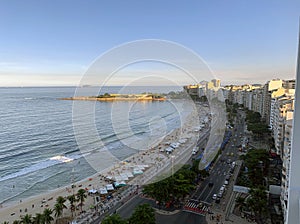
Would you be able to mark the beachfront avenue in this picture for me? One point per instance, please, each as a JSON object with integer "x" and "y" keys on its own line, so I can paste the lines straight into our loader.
{"x": 203, "y": 192}
{"x": 179, "y": 216}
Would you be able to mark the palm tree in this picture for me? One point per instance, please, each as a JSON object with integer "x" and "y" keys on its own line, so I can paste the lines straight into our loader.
{"x": 26, "y": 219}
{"x": 38, "y": 218}
{"x": 16, "y": 222}
{"x": 47, "y": 214}
{"x": 59, "y": 206}
{"x": 143, "y": 214}
{"x": 72, "y": 200}
{"x": 57, "y": 211}
{"x": 81, "y": 195}
{"x": 61, "y": 200}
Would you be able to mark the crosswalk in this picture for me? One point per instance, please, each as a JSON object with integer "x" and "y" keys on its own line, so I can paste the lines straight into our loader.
{"x": 195, "y": 206}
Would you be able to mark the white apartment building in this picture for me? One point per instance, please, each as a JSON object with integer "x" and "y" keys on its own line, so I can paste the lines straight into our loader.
{"x": 269, "y": 87}
{"x": 275, "y": 94}
{"x": 257, "y": 100}
{"x": 286, "y": 164}
{"x": 282, "y": 110}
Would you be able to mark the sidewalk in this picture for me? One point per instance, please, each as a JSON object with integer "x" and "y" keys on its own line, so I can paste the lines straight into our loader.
{"x": 219, "y": 218}
{"x": 222, "y": 213}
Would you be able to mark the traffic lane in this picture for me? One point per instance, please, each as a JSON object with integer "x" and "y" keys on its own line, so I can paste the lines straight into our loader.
{"x": 217, "y": 176}
{"x": 180, "y": 218}
{"x": 126, "y": 210}
{"x": 218, "y": 179}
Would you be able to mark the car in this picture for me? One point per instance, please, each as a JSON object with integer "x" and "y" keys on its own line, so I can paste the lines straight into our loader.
{"x": 220, "y": 194}
{"x": 195, "y": 150}
{"x": 218, "y": 200}
{"x": 233, "y": 164}
{"x": 210, "y": 184}
{"x": 226, "y": 182}
{"x": 214, "y": 197}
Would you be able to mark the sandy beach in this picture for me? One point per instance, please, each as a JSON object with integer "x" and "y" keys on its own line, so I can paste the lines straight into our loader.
{"x": 151, "y": 162}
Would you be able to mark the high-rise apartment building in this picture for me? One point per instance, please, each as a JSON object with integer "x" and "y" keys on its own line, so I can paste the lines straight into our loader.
{"x": 286, "y": 165}
{"x": 269, "y": 87}
{"x": 293, "y": 196}
{"x": 216, "y": 83}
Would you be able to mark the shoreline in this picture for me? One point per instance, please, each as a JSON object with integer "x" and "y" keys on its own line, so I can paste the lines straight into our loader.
{"x": 33, "y": 204}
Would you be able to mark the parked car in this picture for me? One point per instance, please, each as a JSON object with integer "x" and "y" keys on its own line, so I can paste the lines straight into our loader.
{"x": 220, "y": 194}
{"x": 227, "y": 177}
{"x": 210, "y": 184}
{"x": 226, "y": 182}
{"x": 195, "y": 150}
{"x": 214, "y": 197}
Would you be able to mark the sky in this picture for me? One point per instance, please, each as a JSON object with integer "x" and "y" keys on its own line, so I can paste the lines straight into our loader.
{"x": 48, "y": 43}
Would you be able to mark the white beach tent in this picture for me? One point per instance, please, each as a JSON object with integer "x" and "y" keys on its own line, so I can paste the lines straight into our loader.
{"x": 169, "y": 149}
{"x": 124, "y": 176}
{"x": 129, "y": 174}
{"x": 120, "y": 184}
{"x": 109, "y": 177}
{"x": 103, "y": 190}
{"x": 93, "y": 191}
{"x": 137, "y": 172}
{"x": 110, "y": 187}
{"x": 118, "y": 178}
{"x": 182, "y": 140}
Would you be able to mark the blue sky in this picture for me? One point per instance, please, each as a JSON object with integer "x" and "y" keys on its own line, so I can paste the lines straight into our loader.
{"x": 54, "y": 42}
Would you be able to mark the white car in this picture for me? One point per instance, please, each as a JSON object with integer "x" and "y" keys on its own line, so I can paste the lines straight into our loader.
{"x": 214, "y": 197}
{"x": 226, "y": 182}
{"x": 195, "y": 150}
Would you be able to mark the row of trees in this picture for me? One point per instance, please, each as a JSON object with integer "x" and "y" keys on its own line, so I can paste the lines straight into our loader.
{"x": 47, "y": 216}
{"x": 256, "y": 163}
{"x": 255, "y": 124}
{"x": 142, "y": 214}
{"x": 174, "y": 188}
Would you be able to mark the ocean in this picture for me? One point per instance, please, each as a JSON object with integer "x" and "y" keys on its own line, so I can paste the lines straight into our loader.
{"x": 38, "y": 147}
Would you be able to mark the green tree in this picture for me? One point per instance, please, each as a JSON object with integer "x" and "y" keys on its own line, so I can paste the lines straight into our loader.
{"x": 81, "y": 196}
{"x": 72, "y": 200}
{"x": 257, "y": 162}
{"x": 57, "y": 211}
{"x": 59, "y": 206}
{"x": 27, "y": 219}
{"x": 258, "y": 203}
{"x": 163, "y": 194}
{"x": 17, "y": 222}
{"x": 47, "y": 214}
{"x": 172, "y": 188}
{"x": 182, "y": 186}
{"x": 38, "y": 218}
{"x": 143, "y": 214}
{"x": 113, "y": 219}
